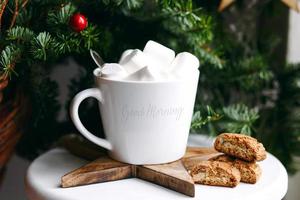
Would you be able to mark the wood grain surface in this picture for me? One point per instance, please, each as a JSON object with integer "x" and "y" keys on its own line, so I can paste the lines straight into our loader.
{"x": 172, "y": 175}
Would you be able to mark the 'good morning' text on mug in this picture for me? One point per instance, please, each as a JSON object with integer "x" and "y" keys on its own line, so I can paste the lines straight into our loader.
{"x": 150, "y": 112}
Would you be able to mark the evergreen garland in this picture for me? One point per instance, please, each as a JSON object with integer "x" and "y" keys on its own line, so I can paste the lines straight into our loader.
{"x": 240, "y": 89}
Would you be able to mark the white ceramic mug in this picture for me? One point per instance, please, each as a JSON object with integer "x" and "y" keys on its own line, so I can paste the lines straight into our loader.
{"x": 144, "y": 122}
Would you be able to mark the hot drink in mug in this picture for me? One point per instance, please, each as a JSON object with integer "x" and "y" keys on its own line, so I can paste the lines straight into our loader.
{"x": 146, "y": 104}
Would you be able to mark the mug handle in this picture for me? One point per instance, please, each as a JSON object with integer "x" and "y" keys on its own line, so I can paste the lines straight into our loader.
{"x": 92, "y": 92}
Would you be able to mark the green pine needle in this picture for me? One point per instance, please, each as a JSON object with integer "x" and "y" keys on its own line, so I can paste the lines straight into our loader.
{"x": 203, "y": 117}
{"x": 20, "y": 34}
{"x": 241, "y": 118}
{"x": 62, "y": 16}
{"x": 132, "y": 4}
{"x": 67, "y": 44}
{"x": 8, "y": 58}
{"x": 41, "y": 44}
{"x": 90, "y": 36}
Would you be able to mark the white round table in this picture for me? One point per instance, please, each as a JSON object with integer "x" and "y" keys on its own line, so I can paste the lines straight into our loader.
{"x": 43, "y": 182}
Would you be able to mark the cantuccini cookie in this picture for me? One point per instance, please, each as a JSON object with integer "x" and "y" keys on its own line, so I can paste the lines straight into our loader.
{"x": 240, "y": 146}
{"x": 250, "y": 171}
{"x": 216, "y": 173}
{"x": 223, "y": 158}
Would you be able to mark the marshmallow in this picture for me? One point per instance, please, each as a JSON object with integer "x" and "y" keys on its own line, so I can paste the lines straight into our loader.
{"x": 145, "y": 74}
{"x": 155, "y": 63}
{"x": 184, "y": 64}
{"x": 158, "y": 55}
{"x": 97, "y": 71}
{"x": 125, "y": 54}
{"x": 113, "y": 70}
{"x": 134, "y": 61}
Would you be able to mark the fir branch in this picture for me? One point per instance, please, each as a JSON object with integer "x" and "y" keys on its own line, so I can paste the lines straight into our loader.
{"x": 208, "y": 55}
{"x": 241, "y": 118}
{"x": 20, "y": 34}
{"x": 90, "y": 36}
{"x": 194, "y": 26}
{"x": 202, "y": 117}
{"x": 45, "y": 106}
{"x": 24, "y": 3}
{"x": 132, "y": 4}
{"x": 183, "y": 16}
{"x": 114, "y": 2}
{"x": 41, "y": 44}
{"x": 250, "y": 73}
{"x": 2, "y": 8}
{"x": 240, "y": 112}
{"x": 25, "y": 16}
{"x": 8, "y": 58}
{"x": 279, "y": 129}
{"x": 62, "y": 16}
{"x": 15, "y": 14}
{"x": 67, "y": 44}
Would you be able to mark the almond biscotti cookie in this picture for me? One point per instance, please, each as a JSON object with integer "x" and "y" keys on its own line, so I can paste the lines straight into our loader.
{"x": 215, "y": 173}
{"x": 223, "y": 158}
{"x": 250, "y": 171}
{"x": 240, "y": 146}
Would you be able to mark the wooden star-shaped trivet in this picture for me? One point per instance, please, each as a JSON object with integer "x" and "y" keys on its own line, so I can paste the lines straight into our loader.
{"x": 172, "y": 175}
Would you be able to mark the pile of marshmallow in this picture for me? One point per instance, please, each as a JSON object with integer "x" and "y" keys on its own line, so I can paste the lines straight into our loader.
{"x": 156, "y": 62}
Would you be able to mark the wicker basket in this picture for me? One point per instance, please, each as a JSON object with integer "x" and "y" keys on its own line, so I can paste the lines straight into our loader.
{"x": 12, "y": 115}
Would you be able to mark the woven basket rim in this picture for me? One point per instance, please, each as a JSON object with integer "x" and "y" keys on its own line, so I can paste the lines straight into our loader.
{"x": 12, "y": 115}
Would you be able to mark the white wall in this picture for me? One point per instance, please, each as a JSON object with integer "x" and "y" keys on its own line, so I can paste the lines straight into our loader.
{"x": 293, "y": 46}
{"x": 293, "y": 56}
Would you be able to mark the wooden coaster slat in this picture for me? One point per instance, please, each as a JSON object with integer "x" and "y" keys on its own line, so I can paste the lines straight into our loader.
{"x": 173, "y": 175}
{"x": 81, "y": 147}
{"x": 198, "y": 151}
{"x": 101, "y": 170}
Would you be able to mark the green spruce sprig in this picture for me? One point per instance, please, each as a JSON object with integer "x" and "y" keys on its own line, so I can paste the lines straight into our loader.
{"x": 241, "y": 119}
{"x": 204, "y": 116}
{"x": 8, "y": 57}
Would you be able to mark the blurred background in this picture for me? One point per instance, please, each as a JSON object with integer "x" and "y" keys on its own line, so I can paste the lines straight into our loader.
{"x": 250, "y": 73}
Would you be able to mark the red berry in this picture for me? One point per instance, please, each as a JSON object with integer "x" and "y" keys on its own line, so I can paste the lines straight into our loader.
{"x": 78, "y": 22}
